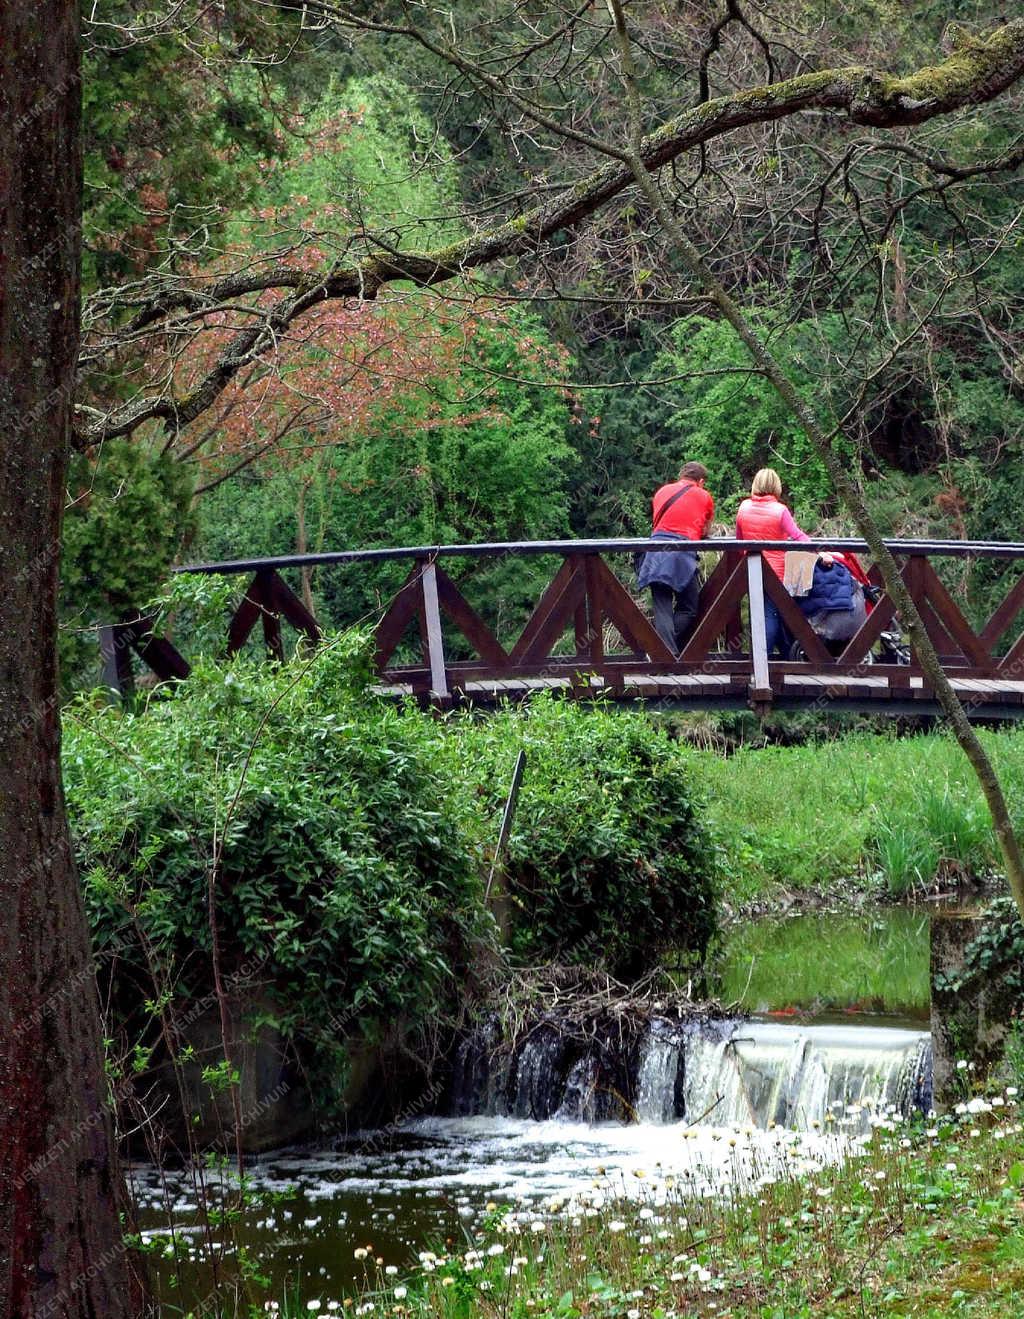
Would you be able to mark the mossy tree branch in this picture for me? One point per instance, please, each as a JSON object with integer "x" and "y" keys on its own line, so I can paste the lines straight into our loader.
{"x": 977, "y": 71}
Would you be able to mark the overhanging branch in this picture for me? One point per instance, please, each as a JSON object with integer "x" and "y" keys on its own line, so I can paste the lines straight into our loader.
{"x": 978, "y": 71}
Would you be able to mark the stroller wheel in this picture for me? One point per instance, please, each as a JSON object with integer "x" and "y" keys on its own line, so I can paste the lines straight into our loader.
{"x": 796, "y": 653}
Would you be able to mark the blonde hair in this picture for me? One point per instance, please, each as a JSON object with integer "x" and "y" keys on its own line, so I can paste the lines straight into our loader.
{"x": 766, "y": 482}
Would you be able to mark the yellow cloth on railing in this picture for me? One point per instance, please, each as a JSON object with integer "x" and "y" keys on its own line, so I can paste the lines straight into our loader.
{"x": 799, "y": 576}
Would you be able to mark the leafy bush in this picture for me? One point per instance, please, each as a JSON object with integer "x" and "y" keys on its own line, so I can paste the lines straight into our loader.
{"x": 129, "y": 509}
{"x": 338, "y": 869}
{"x": 608, "y": 860}
{"x": 347, "y": 839}
{"x": 996, "y": 954}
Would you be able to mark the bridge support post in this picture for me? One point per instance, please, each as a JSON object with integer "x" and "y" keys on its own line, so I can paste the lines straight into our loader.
{"x": 760, "y": 685}
{"x": 435, "y": 641}
{"x": 116, "y": 659}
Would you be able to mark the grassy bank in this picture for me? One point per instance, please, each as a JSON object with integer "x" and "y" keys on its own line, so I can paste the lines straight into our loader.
{"x": 863, "y": 807}
{"x": 926, "y": 1220}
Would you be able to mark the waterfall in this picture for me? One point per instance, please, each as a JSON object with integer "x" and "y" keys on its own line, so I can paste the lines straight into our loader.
{"x": 538, "y": 1083}
{"x": 722, "y": 1073}
{"x": 580, "y": 1095}
{"x": 657, "y": 1079}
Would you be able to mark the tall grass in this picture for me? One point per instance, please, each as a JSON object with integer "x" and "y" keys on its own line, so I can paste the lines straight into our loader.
{"x": 862, "y": 808}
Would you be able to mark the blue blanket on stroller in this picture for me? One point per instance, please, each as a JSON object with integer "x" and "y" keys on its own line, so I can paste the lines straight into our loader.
{"x": 831, "y": 590}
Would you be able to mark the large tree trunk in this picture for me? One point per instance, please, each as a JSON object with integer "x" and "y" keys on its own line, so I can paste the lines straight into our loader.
{"x": 61, "y": 1250}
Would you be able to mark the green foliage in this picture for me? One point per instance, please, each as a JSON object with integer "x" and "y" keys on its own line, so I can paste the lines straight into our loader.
{"x": 347, "y": 839}
{"x": 734, "y": 422}
{"x": 168, "y": 135}
{"x": 608, "y": 860}
{"x": 194, "y": 611}
{"x": 626, "y": 447}
{"x": 1015, "y": 1065}
{"x": 338, "y": 870}
{"x": 373, "y": 154}
{"x": 996, "y": 954}
{"x": 480, "y": 455}
{"x": 906, "y": 856}
{"x": 822, "y": 813}
{"x": 128, "y": 512}
{"x": 948, "y": 834}
{"x": 129, "y": 509}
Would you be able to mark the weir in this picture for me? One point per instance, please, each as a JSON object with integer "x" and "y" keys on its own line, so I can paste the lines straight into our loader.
{"x": 708, "y": 1073}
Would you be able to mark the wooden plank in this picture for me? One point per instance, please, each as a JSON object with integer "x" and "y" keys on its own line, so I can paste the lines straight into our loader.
{"x": 552, "y": 599}
{"x": 722, "y": 608}
{"x": 633, "y": 625}
{"x": 435, "y": 642}
{"x": 579, "y": 620}
{"x": 856, "y": 681}
{"x": 286, "y": 602}
{"x": 717, "y": 578}
{"x": 272, "y": 634}
{"x": 163, "y": 658}
{"x": 468, "y": 621}
{"x": 712, "y": 588}
{"x": 1004, "y": 615}
{"x": 911, "y": 574}
{"x": 945, "y": 647}
{"x": 595, "y": 609}
{"x": 1013, "y": 660}
{"x": 952, "y": 619}
{"x": 558, "y": 610}
{"x": 859, "y": 645}
{"x": 758, "y": 636}
{"x": 792, "y": 615}
{"x": 397, "y": 617}
{"x": 246, "y": 615}
{"x": 258, "y": 605}
{"x": 116, "y": 658}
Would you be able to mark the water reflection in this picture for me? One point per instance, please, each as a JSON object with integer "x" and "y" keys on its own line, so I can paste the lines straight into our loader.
{"x": 873, "y": 961}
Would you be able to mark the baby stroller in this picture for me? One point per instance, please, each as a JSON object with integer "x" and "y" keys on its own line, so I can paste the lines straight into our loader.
{"x": 839, "y": 600}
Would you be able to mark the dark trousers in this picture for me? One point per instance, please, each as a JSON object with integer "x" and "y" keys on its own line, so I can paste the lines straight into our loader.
{"x": 776, "y": 633}
{"x": 675, "y": 612}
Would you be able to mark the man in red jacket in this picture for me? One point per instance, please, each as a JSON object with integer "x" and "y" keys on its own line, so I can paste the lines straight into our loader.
{"x": 682, "y": 510}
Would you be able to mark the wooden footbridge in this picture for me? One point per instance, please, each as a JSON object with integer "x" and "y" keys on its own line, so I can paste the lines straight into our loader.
{"x": 588, "y": 636}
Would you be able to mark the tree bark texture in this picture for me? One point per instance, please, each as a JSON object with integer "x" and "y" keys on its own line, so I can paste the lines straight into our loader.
{"x": 61, "y": 1251}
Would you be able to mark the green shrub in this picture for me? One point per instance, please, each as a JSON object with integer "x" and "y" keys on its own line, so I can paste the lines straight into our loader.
{"x": 996, "y": 954}
{"x": 608, "y": 861}
{"x": 339, "y": 870}
{"x": 348, "y": 840}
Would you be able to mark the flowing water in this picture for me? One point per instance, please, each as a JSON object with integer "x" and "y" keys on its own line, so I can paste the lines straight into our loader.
{"x": 712, "y": 1105}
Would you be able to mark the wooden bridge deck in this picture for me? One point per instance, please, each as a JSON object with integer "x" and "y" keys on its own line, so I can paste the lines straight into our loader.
{"x": 588, "y": 637}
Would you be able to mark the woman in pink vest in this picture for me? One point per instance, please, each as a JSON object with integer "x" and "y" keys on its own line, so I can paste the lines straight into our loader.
{"x": 765, "y": 517}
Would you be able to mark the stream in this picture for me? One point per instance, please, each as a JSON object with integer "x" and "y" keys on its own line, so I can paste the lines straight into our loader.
{"x": 714, "y": 1105}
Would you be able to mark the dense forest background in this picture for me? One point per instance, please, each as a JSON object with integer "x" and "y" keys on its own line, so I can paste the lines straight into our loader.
{"x": 549, "y": 398}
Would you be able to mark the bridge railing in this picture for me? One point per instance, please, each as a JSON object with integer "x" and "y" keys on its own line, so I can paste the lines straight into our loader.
{"x": 587, "y": 633}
